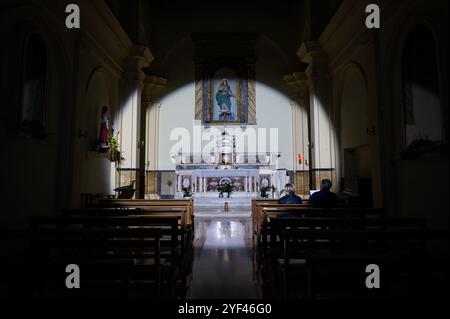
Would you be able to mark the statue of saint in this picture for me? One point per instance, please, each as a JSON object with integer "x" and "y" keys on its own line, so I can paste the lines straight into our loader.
{"x": 104, "y": 128}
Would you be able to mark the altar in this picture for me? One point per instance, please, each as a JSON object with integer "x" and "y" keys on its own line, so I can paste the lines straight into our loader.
{"x": 202, "y": 174}
{"x": 206, "y": 180}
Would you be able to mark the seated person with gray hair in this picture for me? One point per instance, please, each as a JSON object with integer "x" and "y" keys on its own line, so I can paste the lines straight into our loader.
{"x": 290, "y": 197}
{"x": 324, "y": 197}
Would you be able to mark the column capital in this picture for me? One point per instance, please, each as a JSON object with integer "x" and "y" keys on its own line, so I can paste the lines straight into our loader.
{"x": 312, "y": 53}
{"x": 297, "y": 84}
{"x": 142, "y": 54}
{"x": 152, "y": 88}
{"x": 310, "y": 50}
{"x": 139, "y": 57}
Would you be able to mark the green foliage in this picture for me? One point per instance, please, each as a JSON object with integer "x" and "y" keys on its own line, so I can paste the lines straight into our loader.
{"x": 420, "y": 143}
{"x": 225, "y": 188}
{"x": 263, "y": 191}
{"x": 113, "y": 143}
{"x": 187, "y": 191}
{"x": 114, "y": 149}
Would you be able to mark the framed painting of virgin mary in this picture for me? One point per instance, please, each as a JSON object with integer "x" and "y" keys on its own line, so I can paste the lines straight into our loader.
{"x": 225, "y": 93}
{"x": 225, "y": 97}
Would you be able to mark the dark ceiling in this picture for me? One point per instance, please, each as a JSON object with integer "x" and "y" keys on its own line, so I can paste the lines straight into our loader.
{"x": 163, "y": 24}
{"x": 169, "y": 22}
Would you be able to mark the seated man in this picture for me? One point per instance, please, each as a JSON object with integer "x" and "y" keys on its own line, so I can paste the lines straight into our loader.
{"x": 290, "y": 197}
{"x": 324, "y": 197}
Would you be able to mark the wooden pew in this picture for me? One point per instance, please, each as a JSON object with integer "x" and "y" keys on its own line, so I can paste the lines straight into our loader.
{"x": 147, "y": 203}
{"x": 268, "y": 252}
{"x": 258, "y": 203}
{"x": 94, "y": 241}
{"x": 156, "y": 211}
{"x": 344, "y": 254}
{"x": 141, "y": 203}
{"x": 341, "y": 211}
{"x": 278, "y": 225}
{"x": 259, "y": 206}
{"x": 169, "y": 225}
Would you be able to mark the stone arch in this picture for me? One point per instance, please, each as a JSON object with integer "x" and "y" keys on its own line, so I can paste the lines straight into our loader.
{"x": 392, "y": 80}
{"x": 352, "y": 121}
{"x": 403, "y": 179}
{"x": 94, "y": 170}
{"x": 50, "y": 173}
{"x": 421, "y": 110}
{"x": 18, "y": 24}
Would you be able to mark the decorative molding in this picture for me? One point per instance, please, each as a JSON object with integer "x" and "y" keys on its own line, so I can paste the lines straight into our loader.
{"x": 152, "y": 89}
{"x": 297, "y": 84}
{"x": 98, "y": 20}
{"x": 110, "y": 20}
{"x": 198, "y": 99}
{"x": 140, "y": 57}
{"x": 312, "y": 53}
{"x": 251, "y": 95}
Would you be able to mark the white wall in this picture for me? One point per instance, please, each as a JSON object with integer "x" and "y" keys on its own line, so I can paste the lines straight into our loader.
{"x": 273, "y": 111}
{"x": 177, "y": 111}
{"x": 94, "y": 170}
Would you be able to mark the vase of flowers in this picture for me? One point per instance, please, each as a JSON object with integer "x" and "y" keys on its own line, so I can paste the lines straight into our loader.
{"x": 225, "y": 188}
{"x": 263, "y": 191}
{"x": 187, "y": 192}
{"x": 114, "y": 150}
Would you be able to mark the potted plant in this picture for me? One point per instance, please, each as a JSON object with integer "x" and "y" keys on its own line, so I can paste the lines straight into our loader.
{"x": 418, "y": 146}
{"x": 187, "y": 191}
{"x": 263, "y": 191}
{"x": 225, "y": 188}
{"x": 114, "y": 150}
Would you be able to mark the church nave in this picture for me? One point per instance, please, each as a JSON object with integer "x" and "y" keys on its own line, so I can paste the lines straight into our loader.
{"x": 176, "y": 152}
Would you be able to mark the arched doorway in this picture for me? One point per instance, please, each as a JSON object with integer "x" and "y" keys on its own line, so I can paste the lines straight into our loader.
{"x": 356, "y": 155}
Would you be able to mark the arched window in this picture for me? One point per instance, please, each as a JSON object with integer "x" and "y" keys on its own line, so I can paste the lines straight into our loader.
{"x": 421, "y": 100}
{"x": 33, "y": 83}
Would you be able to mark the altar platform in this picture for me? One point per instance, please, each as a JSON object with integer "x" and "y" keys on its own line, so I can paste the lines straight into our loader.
{"x": 211, "y": 205}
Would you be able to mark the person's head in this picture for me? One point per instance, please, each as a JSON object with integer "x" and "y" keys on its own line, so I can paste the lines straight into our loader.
{"x": 326, "y": 184}
{"x": 104, "y": 109}
{"x": 289, "y": 189}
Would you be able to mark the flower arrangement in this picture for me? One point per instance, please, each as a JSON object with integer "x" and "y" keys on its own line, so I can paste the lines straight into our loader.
{"x": 187, "y": 191}
{"x": 263, "y": 191}
{"x": 114, "y": 149}
{"x": 225, "y": 188}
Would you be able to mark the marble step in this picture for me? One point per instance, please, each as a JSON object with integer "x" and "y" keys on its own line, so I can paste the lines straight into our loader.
{"x": 209, "y": 212}
{"x": 219, "y": 202}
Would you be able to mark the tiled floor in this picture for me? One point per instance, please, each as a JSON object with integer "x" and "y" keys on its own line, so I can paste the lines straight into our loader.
{"x": 223, "y": 265}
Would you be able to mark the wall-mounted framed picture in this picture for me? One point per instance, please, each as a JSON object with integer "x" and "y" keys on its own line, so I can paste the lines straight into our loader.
{"x": 225, "y": 93}
{"x": 225, "y": 97}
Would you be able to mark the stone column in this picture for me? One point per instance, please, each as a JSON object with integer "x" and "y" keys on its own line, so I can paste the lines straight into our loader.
{"x": 179, "y": 184}
{"x": 321, "y": 128}
{"x": 195, "y": 184}
{"x": 131, "y": 139}
{"x": 246, "y": 184}
{"x": 151, "y": 105}
{"x": 204, "y": 185}
{"x": 299, "y": 94}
